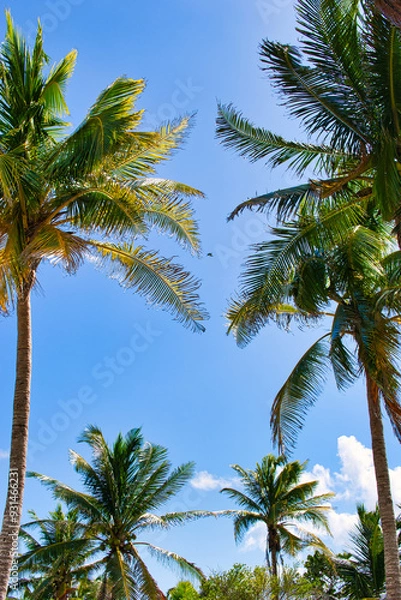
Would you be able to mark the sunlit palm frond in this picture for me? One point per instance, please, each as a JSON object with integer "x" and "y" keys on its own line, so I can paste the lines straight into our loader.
{"x": 56, "y": 245}
{"x": 54, "y": 88}
{"x": 152, "y": 521}
{"x": 85, "y": 503}
{"x": 162, "y": 282}
{"x": 174, "y": 217}
{"x": 172, "y": 559}
{"x": 138, "y": 156}
{"x": 107, "y": 125}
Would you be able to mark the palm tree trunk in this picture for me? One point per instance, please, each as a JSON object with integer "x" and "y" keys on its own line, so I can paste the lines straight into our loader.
{"x": 273, "y": 550}
{"x": 103, "y": 590}
{"x": 267, "y": 553}
{"x": 391, "y": 556}
{"x": 391, "y": 9}
{"x": 19, "y": 444}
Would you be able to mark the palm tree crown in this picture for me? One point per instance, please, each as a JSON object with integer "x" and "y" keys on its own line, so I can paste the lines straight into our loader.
{"x": 273, "y": 495}
{"x": 356, "y": 285}
{"x": 341, "y": 84}
{"x": 92, "y": 193}
{"x": 124, "y": 487}
{"x": 55, "y": 561}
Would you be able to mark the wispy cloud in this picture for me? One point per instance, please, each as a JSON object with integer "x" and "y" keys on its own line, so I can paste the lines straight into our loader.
{"x": 4, "y": 454}
{"x": 207, "y": 482}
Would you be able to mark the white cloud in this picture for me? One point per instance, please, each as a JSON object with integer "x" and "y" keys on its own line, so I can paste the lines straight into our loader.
{"x": 323, "y": 476}
{"x": 4, "y": 454}
{"x": 207, "y": 482}
{"x": 340, "y": 526}
{"x": 356, "y": 480}
{"x": 255, "y": 539}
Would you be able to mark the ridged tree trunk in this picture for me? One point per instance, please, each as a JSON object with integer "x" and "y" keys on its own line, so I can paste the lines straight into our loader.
{"x": 391, "y": 556}
{"x": 273, "y": 550}
{"x": 103, "y": 595}
{"x": 391, "y": 9}
{"x": 19, "y": 444}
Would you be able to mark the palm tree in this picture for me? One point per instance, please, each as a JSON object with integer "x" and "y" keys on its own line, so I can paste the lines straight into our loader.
{"x": 47, "y": 572}
{"x": 357, "y": 285}
{"x": 362, "y": 572}
{"x": 123, "y": 487}
{"x": 65, "y": 198}
{"x": 274, "y": 496}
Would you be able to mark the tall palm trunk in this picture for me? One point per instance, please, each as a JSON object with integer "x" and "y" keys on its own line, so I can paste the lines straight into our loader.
{"x": 19, "y": 442}
{"x": 103, "y": 595}
{"x": 273, "y": 552}
{"x": 391, "y": 9}
{"x": 391, "y": 556}
{"x": 273, "y": 544}
{"x": 267, "y": 553}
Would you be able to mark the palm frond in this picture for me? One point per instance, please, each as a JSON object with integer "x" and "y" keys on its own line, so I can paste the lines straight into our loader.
{"x": 162, "y": 282}
{"x": 321, "y": 105}
{"x": 53, "y": 93}
{"x": 152, "y": 521}
{"x": 299, "y": 393}
{"x": 256, "y": 143}
{"x": 172, "y": 559}
{"x": 107, "y": 124}
{"x": 285, "y": 203}
{"x": 138, "y": 156}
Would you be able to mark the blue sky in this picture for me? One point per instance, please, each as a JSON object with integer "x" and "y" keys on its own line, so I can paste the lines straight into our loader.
{"x": 199, "y": 395}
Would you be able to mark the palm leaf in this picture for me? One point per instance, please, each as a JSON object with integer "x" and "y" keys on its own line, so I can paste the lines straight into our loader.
{"x": 256, "y": 143}
{"x": 299, "y": 393}
{"x": 172, "y": 559}
{"x": 162, "y": 282}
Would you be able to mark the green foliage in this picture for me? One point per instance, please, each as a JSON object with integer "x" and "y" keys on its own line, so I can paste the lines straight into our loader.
{"x": 239, "y": 583}
{"x": 55, "y": 561}
{"x": 184, "y": 590}
{"x": 354, "y": 282}
{"x": 243, "y": 583}
{"x": 362, "y": 572}
{"x": 321, "y": 573}
{"x": 332, "y": 253}
{"x": 124, "y": 487}
{"x": 89, "y": 590}
{"x": 341, "y": 84}
{"x": 273, "y": 495}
